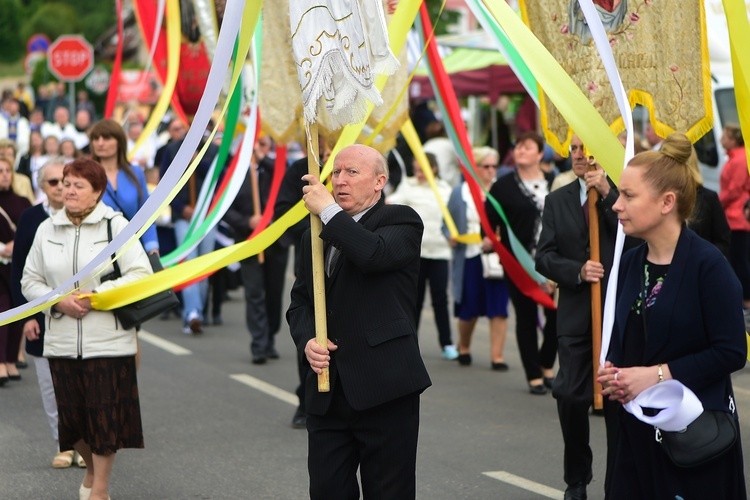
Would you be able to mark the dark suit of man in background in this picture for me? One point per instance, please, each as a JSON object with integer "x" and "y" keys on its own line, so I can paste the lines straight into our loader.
{"x": 290, "y": 193}
{"x": 263, "y": 281}
{"x": 370, "y": 418}
{"x": 563, "y": 256}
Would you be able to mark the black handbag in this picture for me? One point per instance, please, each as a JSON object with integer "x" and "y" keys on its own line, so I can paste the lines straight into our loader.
{"x": 137, "y": 313}
{"x": 708, "y": 437}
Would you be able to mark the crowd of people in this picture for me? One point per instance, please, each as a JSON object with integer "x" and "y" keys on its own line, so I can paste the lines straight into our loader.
{"x": 66, "y": 188}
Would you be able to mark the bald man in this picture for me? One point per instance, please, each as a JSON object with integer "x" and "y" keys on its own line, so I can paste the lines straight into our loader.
{"x": 370, "y": 418}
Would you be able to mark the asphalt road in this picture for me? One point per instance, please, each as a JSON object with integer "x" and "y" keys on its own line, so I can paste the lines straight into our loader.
{"x": 217, "y": 427}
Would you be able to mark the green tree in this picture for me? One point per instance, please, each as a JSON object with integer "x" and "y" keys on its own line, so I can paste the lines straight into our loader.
{"x": 96, "y": 22}
{"x": 10, "y": 22}
{"x": 53, "y": 19}
{"x": 447, "y": 17}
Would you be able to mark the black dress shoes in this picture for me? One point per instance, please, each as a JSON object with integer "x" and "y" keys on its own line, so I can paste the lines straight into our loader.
{"x": 464, "y": 359}
{"x": 272, "y": 353}
{"x": 537, "y": 390}
{"x": 576, "y": 492}
{"x": 259, "y": 360}
{"x": 299, "y": 420}
{"x": 548, "y": 381}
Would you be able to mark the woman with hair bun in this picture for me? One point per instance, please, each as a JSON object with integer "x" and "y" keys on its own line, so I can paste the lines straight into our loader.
{"x": 678, "y": 316}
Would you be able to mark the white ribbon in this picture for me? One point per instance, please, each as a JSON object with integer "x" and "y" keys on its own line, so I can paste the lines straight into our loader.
{"x": 679, "y": 406}
{"x": 159, "y": 198}
{"x": 610, "y": 66}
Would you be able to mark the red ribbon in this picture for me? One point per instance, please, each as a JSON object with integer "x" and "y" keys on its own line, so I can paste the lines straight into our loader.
{"x": 513, "y": 269}
{"x": 145, "y": 13}
{"x": 114, "y": 82}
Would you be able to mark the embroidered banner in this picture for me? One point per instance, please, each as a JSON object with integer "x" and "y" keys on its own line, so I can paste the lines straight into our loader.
{"x": 661, "y": 53}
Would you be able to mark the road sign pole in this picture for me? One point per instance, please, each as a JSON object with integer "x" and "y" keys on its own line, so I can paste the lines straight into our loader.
{"x": 72, "y": 90}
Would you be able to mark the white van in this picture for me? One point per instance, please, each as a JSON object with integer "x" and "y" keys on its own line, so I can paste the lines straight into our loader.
{"x": 710, "y": 153}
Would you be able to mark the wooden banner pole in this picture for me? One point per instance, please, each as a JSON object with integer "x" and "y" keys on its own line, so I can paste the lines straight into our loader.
{"x": 596, "y": 293}
{"x": 318, "y": 265}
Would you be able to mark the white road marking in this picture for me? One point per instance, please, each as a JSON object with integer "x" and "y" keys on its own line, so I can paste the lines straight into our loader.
{"x": 525, "y": 484}
{"x": 267, "y": 388}
{"x": 166, "y": 345}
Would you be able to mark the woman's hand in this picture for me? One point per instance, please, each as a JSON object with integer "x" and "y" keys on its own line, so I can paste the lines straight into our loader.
{"x": 486, "y": 244}
{"x": 8, "y": 250}
{"x": 74, "y": 306}
{"x": 625, "y": 384}
{"x": 31, "y": 329}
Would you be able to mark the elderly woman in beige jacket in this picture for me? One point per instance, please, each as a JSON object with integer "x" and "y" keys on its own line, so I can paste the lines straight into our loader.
{"x": 91, "y": 357}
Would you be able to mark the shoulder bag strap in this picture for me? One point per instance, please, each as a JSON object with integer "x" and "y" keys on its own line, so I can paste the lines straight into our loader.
{"x": 7, "y": 217}
{"x": 109, "y": 239}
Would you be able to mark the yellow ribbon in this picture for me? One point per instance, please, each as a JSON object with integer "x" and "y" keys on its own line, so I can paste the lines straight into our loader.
{"x": 174, "y": 33}
{"x": 410, "y": 134}
{"x": 739, "y": 41}
{"x": 126, "y": 294}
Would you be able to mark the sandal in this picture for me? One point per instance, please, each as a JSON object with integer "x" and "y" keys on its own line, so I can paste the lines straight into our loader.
{"x": 63, "y": 460}
{"x": 80, "y": 461}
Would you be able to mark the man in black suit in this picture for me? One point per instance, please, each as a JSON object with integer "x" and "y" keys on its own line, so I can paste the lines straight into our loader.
{"x": 563, "y": 256}
{"x": 263, "y": 281}
{"x": 370, "y": 418}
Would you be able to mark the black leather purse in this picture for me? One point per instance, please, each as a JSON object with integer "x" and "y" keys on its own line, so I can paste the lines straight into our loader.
{"x": 707, "y": 438}
{"x": 137, "y": 313}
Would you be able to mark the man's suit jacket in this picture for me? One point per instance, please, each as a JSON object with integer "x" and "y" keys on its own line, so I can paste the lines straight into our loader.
{"x": 564, "y": 248}
{"x": 243, "y": 206}
{"x": 696, "y": 324}
{"x": 371, "y": 308}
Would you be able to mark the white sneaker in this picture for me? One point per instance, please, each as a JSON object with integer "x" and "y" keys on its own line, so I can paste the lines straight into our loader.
{"x": 194, "y": 323}
{"x": 450, "y": 352}
{"x": 84, "y": 493}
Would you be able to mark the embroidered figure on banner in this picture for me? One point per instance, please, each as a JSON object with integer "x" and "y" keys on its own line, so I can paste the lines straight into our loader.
{"x": 615, "y": 15}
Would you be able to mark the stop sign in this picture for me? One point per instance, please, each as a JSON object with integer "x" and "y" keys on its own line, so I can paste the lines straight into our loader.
{"x": 70, "y": 58}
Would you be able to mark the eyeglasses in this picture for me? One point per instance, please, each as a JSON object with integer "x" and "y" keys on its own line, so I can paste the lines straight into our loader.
{"x": 491, "y": 165}
{"x": 53, "y": 182}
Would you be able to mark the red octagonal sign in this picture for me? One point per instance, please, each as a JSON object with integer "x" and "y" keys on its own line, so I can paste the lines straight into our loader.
{"x": 70, "y": 58}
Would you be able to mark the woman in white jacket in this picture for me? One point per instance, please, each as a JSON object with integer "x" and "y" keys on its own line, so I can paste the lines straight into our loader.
{"x": 435, "y": 256}
{"x": 91, "y": 357}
